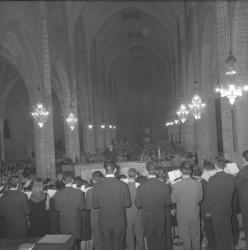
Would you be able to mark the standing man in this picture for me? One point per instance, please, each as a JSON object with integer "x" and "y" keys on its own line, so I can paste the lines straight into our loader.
{"x": 112, "y": 197}
{"x": 187, "y": 195}
{"x": 135, "y": 230}
{"x": 14, "y": 207}
{"x": 94, "y": 213}
{"x": 153, "y": 196}
{"x": 242, "y": 189}
{"x": 220, "y": 191}
{"x": 69, "y": 201}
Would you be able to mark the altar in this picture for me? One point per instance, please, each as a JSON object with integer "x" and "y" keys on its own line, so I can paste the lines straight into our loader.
{"x": 85, "y": 170}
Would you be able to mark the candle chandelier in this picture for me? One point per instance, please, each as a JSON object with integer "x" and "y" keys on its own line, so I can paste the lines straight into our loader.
{"x": 90, "y": 126}
{"x": 197, "y": 107}
{"x": 71, "y": 121}
{"x": 40, "y": 114}
{"x": 182, "y": 113}
{"x": 231, "y": 89}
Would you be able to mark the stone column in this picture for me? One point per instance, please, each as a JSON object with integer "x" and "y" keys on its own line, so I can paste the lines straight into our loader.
{"x": 44, "y": 137}
{"x": 2, "y": 138}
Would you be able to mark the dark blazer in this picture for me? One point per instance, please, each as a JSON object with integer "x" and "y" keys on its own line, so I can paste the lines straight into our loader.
{"x": 220, "y": 191}
{"x": 15, "y": 208}
{"x": 153, "y": 196}
{"x": 112, "y": 197}
{"x": 242, "y": 176}
{"x": 69, "y": 201}
{"x": 203, "y": 203}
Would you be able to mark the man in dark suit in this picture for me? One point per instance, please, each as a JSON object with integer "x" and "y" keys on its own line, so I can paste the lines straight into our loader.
{"x": 220, "y": 191}
{"x": 14, "y": 208}
{"x": 69, "y": 201}
{"x": 187, "y": 194}
{"x": 208, "y": 171}
{"x": 242, "y": 189}
{"x": 112, "y": 197}
{"x": 153, "y": 196}
{"x": 94, "y": 213}
{"x": 135, "y": 230}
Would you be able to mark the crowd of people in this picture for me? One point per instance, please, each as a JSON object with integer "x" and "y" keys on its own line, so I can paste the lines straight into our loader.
{"x": 130, "y": 151}
{"x": 132, "y": 212}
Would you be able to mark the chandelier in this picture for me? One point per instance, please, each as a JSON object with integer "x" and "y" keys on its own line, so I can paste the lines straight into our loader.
{"x": 40, "y": 114}
{"x": 232, "y": 90}
{"x": 182, "y": 113}
{"x": 71, "y": 121}
{"x": 196, "y": 107}
{"x": 102, "y": 126}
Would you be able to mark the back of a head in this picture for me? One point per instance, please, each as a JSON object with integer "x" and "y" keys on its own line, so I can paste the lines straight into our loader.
{"x": 68, "y": 178}
{"x": 132, "y": 173}
{"x": 96, "y": 177}
{"x": 220, "y": 161}
{"x": 186, "y": 168}
{"x": 109, "y": 167}
{"x": 141, "y": 179}
{"x": 208, "y": 165}
{"x": 150, "y": 167}
{"x": 78, "y": 181}
{"x": 13, "y": 182}
{"x": 160, "y": 173}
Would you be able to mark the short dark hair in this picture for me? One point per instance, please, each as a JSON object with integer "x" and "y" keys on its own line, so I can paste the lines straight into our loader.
{"x": 68, "y": 177}
{"x": 186, "y": 168}
{"x": 132, "y": 173}
{"x": 78, "y": 181}
{"x": 150, "y": 167}
{"x": 208, "y": 165}
{"x": 13, "y": 182}
{"x": 141, "y": 179}
{"x": 244, "y": 153}
{"x": 109, "y": 167}
{"x": 220, "y": 161}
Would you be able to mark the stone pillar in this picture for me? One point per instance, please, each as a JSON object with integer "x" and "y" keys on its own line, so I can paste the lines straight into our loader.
{"x": 2, "y": 138}
{"x": 44, "y": 137}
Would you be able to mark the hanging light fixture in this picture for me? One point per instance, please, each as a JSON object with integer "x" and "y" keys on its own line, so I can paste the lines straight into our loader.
{"x": 40, "y": 114}
{"x": 90, "y": 126}
{"x": 114, "y": 127}
{"x": 167, "y": 124}
{"x": 182, "y": 113}
{"x": 103, "y": 126}
{"x": 197, "y": 107}
{"x": 231, "y": 89}
{"x": 71, "y": 120}
{"x": 110, "y": 126}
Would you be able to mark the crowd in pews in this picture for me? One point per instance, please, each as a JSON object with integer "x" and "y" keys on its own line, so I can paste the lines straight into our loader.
{"x": 133, "y": 212}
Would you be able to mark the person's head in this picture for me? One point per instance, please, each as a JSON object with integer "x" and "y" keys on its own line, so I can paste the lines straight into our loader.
{"x": 150, "y": 167}
{"x": 245, "y": 155}
{"x": 78, "y": 181}
{"x": 132, "y": 173}
{"x": 141, "y": 179}
{"x": 160, "y": 173}
{"x": 186, "y": 168}
{"x": 208, "y": 165}
{"x": 37, "y": 186}
{"x": 96, "y": 177}
{"x": 109, "y": 167}
{"x": 220, "y": 162}
{"x": 60, "y": 176}
{"x": 68, "y": 178}
{"x": 13, "y": 182}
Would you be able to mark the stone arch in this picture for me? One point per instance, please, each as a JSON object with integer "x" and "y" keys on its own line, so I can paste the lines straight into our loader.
{"x": 18, "y": 48}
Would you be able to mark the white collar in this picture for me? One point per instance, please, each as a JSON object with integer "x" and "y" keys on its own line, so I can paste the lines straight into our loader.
{"x": 151, "y": 176}
{"x": 110, "y": 175}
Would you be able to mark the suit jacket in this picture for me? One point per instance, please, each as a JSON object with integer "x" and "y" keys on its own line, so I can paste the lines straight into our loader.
{"x": 112, "y": 197}
{"x": 242, "y": 177}
{"x": 187, "y": 194}
{"x": 133, "y": 214}
{"x": 153, "y": 196}
{"x": 69, "y": 201}
{"x": 14, "y": 207}
{"x": 204, "y": 202}
{"x": 220, "y": 191}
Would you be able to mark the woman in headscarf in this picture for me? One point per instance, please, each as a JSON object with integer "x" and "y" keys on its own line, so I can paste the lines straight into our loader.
{"x": 39, "y": 204}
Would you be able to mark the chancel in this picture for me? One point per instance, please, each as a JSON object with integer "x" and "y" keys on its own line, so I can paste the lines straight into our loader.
{"x": 124, "y": 125}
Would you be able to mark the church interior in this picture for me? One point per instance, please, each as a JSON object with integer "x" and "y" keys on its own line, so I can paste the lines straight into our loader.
{"x": 169, "y": 77}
